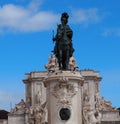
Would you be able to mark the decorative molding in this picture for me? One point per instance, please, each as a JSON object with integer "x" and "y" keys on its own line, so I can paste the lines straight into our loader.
{"x": 64, "y": 91}
{"x": 92, "y": 78}
{"x": 63, "y": 80}
{"x": 38, "y": 114}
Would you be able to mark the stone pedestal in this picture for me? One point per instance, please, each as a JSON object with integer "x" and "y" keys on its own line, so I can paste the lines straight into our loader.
{"x": 16, "y": 119}
{"x": 64, "y": 97}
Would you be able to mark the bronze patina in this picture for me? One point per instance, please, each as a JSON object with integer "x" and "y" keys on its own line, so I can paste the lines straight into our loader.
{"x": 63, "y": 49}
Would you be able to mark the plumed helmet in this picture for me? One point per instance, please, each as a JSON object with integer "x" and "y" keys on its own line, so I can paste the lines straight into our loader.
{"x": 65, "y": 15}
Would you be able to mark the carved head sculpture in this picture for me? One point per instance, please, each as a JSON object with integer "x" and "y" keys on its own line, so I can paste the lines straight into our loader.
{"x": 64, "y": 18}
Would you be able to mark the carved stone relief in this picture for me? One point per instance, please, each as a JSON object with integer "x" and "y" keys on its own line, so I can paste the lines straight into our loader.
{"x": 106, "y": 105}
{"x": 72, "y": 64}
{"x": 38, "y": 98}
{"x": 90, "y": 116}
{"x": 38, "y": 114}
{"x": 52, "y": 64}
{"x": 86, "y": 98}
{"x": 97, "y": 101}
{"x": 64, "y": 91}
{"x": 19, "y": 108}
{"x": 97, "y": 87}
{"x": 28, "y": 94}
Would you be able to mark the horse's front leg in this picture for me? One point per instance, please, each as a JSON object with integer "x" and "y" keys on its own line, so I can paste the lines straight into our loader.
{"x": 60, "y": 60}
{"x": 67, "y": 59}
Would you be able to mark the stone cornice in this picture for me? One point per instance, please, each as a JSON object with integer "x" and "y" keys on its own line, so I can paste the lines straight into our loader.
{"x": 16, "y": 114}
{"x": 32, "y": 80}
{"x": 92, "y": 78}
{"x": 63, "y": 77}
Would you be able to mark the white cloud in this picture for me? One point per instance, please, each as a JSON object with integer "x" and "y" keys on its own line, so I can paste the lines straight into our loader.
{"x": 86, "y": 16}
{"x": 111, "y": 32}
{"x": 35, "y": 4}
{"x": 16, "y": 18}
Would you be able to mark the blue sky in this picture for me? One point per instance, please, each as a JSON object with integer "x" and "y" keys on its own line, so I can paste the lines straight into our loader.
{"x": 26, "y": 42}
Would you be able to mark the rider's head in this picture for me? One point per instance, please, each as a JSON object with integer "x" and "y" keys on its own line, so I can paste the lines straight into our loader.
{"x": 64, "y": 18}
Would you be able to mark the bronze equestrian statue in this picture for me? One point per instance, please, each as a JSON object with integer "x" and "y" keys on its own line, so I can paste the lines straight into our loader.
{"x": 63, "y": 49}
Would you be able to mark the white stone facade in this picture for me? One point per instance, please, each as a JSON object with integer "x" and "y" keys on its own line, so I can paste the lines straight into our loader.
{"x": 77, "y": 92}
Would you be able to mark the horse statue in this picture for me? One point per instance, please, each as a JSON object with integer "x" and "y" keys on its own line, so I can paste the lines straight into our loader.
{"x": 63, "y": 49}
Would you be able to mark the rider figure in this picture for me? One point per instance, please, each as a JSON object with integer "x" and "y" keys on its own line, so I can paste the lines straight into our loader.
{"x": 63, "y": 49}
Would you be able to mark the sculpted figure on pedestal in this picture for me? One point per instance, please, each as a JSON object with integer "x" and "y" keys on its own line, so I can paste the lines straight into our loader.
{"x": 52, "y": 65}
{"x": 20, "y": 105}
{"x": 90, "y": 116}
{"x": 38, "y": 98}
{"x": 97, "y": 101}
{"x": 63, "y": 49}
{"x": 86, "y": 98}
{"x": 38, "y": 114}
{"x": 72, "y": 64}
{"x": 85, "y": 116}
{"x": 31, "y": 116}
{"x": 28, "y": 101}
{"x": 106, "y": 105}
{"x": 19, "y": 108}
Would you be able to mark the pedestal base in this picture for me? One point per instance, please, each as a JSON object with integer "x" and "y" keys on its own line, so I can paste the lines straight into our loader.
{"x": 64, "y": 96}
